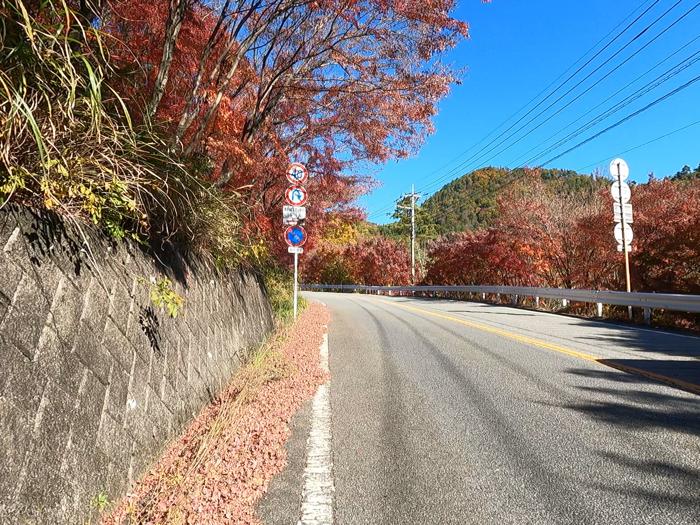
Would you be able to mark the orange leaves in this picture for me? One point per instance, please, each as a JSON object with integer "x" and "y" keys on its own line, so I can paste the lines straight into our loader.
{"x": 666, "y": 254}
{"x": 374, "y": 260}
{"x": 253, "y": 85}
{"x": 546, "y": 238}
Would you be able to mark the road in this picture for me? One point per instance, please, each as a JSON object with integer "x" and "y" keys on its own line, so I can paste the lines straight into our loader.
{"x": 458, "y": 412}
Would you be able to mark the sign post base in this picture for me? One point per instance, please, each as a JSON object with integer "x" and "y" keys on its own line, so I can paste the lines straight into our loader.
{"x": 296, "y": 286}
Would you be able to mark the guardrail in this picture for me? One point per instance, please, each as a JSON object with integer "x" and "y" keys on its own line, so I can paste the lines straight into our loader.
{"x": 646, "y": 301}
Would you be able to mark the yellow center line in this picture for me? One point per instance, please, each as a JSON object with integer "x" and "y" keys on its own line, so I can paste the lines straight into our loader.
{"x": 504, "y": 333}
{"x": 532, "y": 341}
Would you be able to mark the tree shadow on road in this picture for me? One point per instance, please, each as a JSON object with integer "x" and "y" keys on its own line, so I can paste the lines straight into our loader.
{"x": 661, "y": 482}
{"x": 636, "y": 404}
{"x": 654, "y": 467}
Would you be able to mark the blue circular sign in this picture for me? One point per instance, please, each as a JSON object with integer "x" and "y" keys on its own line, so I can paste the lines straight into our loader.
{"x": 295, "y": 236}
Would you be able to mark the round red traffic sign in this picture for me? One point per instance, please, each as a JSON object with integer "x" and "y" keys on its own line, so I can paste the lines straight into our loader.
{"x": 295, "y": 236}
{"x": 296, "y": 195}
{"x": 297, "y": 173}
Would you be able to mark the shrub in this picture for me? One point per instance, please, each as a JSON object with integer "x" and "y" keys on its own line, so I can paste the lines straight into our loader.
{"x": 279, "y": 283}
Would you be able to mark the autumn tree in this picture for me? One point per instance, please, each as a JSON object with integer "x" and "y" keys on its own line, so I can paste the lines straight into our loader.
{"x": 666, "y": 255}
{"x": 372, "y": 260}
{"x": 251, "y": 84}
{"x": 549, "y": 228}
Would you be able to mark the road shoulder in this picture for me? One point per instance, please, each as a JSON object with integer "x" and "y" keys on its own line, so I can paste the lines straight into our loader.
{"x": 282, "y": 503}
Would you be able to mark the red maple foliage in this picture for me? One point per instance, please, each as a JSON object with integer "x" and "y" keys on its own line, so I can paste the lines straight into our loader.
{"x": 241, "y": 87}
{"x": 666, "y": 257}
{"x": 374, "y": 260}
{"x": 547, "y": 239}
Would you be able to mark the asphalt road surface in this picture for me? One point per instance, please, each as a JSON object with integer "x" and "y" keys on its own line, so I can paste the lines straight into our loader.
{"x": 458, "y": 412}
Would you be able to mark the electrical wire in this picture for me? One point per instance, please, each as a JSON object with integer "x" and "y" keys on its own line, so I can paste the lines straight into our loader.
{"x": 477, "y": 158}
{"x": 602, "y": 103}
{"x": 638, "y": 146}
{"x": 652, "y": 85}
{"x": 625, "y": 119}
{"x": 630, "y": 15}
{"x": 658, "y": 81}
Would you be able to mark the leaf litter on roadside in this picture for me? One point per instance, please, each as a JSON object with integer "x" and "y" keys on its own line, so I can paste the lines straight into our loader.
{"x": 221, "y": 465}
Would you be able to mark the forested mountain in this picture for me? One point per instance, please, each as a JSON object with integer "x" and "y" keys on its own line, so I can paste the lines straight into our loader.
{"x": 470, "y": 202}
{"x": 687, "y": 173}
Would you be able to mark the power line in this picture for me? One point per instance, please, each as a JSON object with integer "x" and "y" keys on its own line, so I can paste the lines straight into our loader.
{"x": 552, "y": 83}
{"x": 625, "y": 119}
{"x": 479, "y": 154}
{"x": 675, "y": 22}
{"x": 570, "y": 90}
{"x": 633, "y": 148}
{"x": 518, "y": 159}
{"x": 630, "y": 15}
{"x": 658, "y": 81}
{"x": 615, "y": 108}
{"x": 578, "y": 97}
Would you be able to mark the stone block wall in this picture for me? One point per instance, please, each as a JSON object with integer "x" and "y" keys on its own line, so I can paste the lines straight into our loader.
{"x": 94, "y": 379}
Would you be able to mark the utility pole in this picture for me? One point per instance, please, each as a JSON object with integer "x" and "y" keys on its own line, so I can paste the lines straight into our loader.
{"x": 414, "y": 198}
{"x": 413, "y": 234}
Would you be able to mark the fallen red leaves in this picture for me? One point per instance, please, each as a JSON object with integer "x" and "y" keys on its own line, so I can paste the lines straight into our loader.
{"x": 221, "y": 465}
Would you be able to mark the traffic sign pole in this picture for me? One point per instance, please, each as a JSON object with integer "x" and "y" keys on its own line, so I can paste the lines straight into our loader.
{"x": 624, "y": 239}
{"x": 625, "y": 246}
{"x": 295, "y": 236}
{"x": 293, "y": 215}
{"x": 296, "y": 282}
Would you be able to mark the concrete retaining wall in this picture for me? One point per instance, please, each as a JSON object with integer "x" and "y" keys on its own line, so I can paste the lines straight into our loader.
{"x": 94, "y": 379}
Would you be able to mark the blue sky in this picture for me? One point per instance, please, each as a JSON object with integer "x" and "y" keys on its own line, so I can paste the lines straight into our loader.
{"x": 518, "y": 48}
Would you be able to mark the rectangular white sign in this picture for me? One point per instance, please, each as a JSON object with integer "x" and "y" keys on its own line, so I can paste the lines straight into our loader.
{"x": 291, "y": 215}
{"x": 295, "y": 249}
{"x": 627, "y": 213}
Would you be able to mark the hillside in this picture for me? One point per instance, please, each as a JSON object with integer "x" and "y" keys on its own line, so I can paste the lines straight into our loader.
{"x": 469, "y": 202}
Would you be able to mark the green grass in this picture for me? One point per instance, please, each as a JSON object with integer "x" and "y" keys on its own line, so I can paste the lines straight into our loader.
{"x": 279, "y": 284}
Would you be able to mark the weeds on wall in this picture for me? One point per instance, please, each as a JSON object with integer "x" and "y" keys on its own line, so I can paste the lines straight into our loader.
{"x": 164, "y": 296}
{"x": 66, "y": 140}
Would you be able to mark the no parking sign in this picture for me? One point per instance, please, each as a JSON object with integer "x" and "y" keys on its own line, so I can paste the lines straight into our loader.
{"x": 295, "y": 236}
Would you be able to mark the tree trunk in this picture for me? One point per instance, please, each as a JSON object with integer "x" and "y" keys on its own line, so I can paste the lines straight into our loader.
{"x": 176, "y": 15}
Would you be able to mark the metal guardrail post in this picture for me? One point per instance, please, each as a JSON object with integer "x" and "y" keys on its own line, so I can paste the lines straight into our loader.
{"x": 599, "y": 309}
{"x": 647, "y": 316}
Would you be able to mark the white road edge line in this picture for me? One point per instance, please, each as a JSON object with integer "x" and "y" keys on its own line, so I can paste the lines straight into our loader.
{"x": 317, "y": 494}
